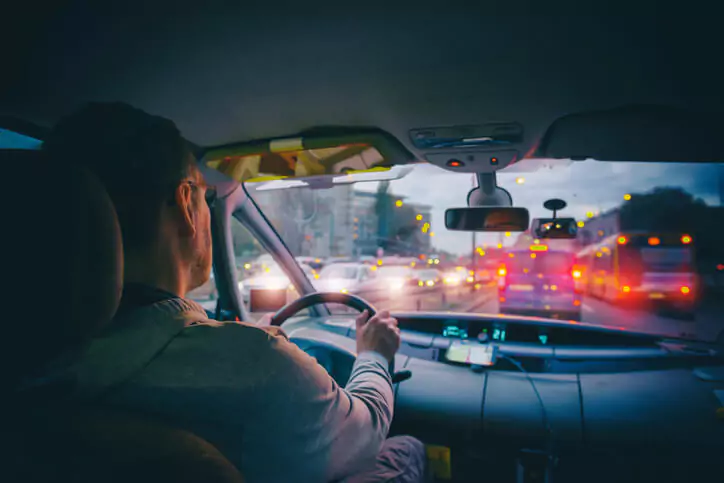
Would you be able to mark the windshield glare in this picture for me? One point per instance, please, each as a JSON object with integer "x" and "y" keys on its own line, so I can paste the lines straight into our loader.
{"x": 647, "y": 257}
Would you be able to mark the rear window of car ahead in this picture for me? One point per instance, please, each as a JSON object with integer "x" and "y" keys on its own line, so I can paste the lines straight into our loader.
{"x": 548, "y": 263}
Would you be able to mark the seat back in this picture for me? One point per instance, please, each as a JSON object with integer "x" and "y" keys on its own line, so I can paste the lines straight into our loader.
{"x": 63, "y": 262}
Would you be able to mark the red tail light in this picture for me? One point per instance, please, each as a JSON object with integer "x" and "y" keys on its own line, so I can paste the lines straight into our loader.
{"x": 685, "y": 290}
{"x": 502, "y": 281}
{"x": 686, "y": 239}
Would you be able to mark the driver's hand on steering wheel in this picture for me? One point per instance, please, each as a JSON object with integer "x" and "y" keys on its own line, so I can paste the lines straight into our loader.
{"x": 379, "y": 334}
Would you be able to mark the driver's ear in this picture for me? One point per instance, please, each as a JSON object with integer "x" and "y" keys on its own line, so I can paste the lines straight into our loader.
{"x": 185, "y": 209}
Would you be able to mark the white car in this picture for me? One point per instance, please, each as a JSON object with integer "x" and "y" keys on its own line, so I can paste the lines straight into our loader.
{"x": 396, "y": 277}
{"x": 355, "y": 278}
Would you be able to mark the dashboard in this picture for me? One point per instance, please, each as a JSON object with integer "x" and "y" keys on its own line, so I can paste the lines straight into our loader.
{"x": 616, "y": 401}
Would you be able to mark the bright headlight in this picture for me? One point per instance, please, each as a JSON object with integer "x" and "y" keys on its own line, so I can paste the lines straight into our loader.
{"x": 451, "y": 280}
{"x": 397, "y": 284}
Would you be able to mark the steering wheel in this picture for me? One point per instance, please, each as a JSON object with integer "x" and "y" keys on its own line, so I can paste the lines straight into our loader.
{"x": 352, "y": 301}
{"x": 321, "y": 298}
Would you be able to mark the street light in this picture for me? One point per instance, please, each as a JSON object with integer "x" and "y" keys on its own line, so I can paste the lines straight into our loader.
{"x": 398, "y": 203}
{"x": 581, "y": 224}
{"x": 520, "y": 180}
{"x": 627, "y": 197}
{"x": 418, "y": 217}
{"x": 589, "y": 214}
{"x": 507, "y": 233}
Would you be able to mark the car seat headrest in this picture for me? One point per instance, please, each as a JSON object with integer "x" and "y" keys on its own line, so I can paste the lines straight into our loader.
{"x": 64, "y": 257}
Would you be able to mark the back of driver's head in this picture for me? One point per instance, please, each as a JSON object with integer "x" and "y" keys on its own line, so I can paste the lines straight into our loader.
{"x": 139, "y": 158}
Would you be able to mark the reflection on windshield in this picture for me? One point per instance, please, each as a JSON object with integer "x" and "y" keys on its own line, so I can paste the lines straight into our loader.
{"x": 648, "y": 255}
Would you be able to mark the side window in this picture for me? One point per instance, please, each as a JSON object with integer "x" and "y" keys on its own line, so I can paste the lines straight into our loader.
{"x": 263, "y": 284}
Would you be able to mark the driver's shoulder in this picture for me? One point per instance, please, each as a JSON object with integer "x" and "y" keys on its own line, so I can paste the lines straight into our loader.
{"x": 216, "y": 335}
{"x": 240, "y": 329}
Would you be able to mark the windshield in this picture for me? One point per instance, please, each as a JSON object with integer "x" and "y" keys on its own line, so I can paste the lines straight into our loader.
{"x": 666, "y": 273}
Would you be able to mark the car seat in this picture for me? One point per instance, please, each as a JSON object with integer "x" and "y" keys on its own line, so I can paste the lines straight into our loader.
{"x": 63, "y": 272}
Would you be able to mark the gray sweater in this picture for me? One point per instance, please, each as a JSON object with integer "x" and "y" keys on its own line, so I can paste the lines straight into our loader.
{"x": 266, "y": 405}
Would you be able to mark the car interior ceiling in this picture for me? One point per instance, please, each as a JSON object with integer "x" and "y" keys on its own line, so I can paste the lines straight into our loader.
{"x": 571, "y": 396}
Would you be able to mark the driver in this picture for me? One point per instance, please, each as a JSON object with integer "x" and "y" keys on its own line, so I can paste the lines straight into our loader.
{"x": 267, "y": 405}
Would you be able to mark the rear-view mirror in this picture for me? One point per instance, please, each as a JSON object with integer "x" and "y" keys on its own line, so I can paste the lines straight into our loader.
{"x": 333, "y": 152}
{"x": 487, "y": 218}
{"x": 555, "y": 228}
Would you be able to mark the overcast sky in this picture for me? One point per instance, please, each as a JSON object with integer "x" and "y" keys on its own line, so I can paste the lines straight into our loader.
{"x": 584, "y": 185}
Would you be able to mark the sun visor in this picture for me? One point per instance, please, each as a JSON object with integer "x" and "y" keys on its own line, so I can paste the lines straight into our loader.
{"x": 636, "y": 133}
{"x": 333, "y": 155}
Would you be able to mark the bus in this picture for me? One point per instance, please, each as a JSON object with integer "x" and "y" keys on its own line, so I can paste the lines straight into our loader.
{"x": 640, "y": 267}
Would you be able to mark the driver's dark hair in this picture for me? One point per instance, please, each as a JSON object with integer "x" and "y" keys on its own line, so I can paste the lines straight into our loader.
{"x": 139, "y": 158}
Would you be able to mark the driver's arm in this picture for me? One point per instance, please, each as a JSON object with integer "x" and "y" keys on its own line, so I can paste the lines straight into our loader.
{"x": 337, "y": 430}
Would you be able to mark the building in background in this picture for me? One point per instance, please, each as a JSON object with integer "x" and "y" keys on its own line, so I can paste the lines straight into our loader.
{"x": 344, "y": 222}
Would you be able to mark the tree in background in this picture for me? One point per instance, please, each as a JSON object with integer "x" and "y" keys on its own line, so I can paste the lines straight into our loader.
{"x": 663, "y": 209}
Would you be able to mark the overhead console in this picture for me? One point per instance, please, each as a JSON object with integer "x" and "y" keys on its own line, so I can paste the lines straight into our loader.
{"x": 482, "y": 148}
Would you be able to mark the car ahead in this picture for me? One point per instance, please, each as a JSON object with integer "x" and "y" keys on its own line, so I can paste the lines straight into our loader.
{"x": 428, "y": 278}
{"x": 355, "y": 278}
{"x": 456, "y": 276}
{"x": 541, "y": 282}
{"x": 315, "y": 263}
{"x": 260, "y": 264}
{"x": 397, "y": 278}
